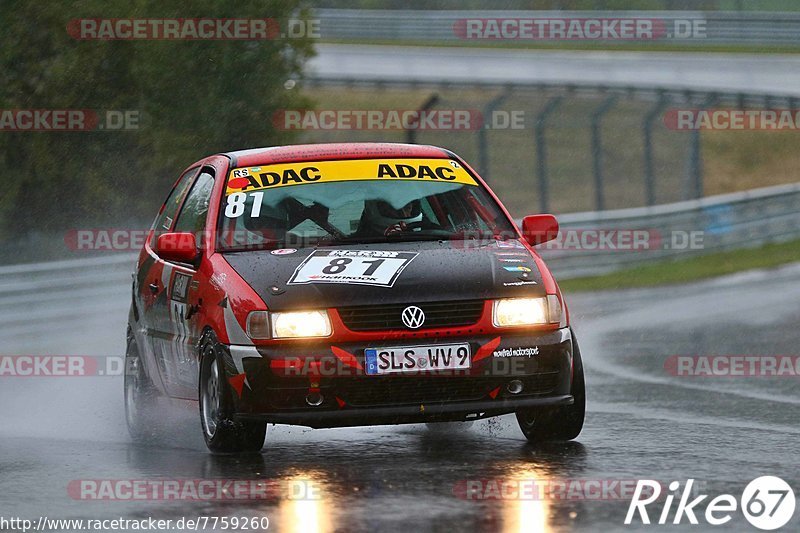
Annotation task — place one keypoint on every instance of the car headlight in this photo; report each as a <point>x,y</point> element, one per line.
<point>299,324</point>
<point>527,311</point>
<point>288,325</point>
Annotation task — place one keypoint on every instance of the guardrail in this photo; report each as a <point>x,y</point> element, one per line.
<point>430,26</point>
<point>62,280</point>
<point>597,122</point>
<point>716,223</point>
<point>40,300</point>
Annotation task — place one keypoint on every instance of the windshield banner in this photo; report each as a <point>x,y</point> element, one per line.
<point>282,175</point>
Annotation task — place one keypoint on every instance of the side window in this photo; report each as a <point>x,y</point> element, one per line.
<point>166,217</point>
<point>193,214</point>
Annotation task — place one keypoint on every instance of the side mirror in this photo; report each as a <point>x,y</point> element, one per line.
<point>177,247</point>
<point>539,228</point>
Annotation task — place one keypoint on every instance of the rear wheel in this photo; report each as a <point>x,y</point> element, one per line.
<point>221,431</point>
<point>560,423</point>
<point>141,395</point>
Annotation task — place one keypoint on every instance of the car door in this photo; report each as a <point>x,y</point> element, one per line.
<point>153,276</point>
<point>180,338</point>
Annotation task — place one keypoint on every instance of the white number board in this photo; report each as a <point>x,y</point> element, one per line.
<point>356,267</point>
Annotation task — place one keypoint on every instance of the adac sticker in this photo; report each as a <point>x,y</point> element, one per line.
<point>289,174</point>
<point>284,251</point>
<point>355,267</point>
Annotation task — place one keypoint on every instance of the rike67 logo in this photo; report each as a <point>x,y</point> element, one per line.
<point>767,502</point>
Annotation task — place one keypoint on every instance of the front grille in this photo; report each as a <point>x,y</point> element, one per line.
<point>437,315</point>
<point>399,390</point>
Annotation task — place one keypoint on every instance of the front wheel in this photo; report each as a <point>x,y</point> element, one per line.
<point>560,423</point>
<point>221,431</point>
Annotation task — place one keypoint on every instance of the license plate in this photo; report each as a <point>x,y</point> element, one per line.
<point>397,359</point>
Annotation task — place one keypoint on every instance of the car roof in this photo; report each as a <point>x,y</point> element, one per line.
<point>333,151</point>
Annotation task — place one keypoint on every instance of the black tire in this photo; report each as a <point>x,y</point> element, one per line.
<point>141,396</point>
<point>221,431</point>
<point>562,423</point>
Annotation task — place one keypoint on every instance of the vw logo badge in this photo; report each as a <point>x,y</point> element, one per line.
<point>413,317</point>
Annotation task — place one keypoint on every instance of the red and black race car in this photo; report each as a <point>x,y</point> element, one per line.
<point>347,284</point>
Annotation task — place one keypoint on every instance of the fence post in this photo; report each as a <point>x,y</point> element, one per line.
<point>541,150</point>
<point>597,150</point>
<point>647,134</point>
<point>411,133</point>
<point>483,142</point>
<point>695,187</point>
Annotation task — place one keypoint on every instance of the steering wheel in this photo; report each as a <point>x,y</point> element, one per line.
<point>403,227</point>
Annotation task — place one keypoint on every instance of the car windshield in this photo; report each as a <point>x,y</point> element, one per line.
<point>355,201</point>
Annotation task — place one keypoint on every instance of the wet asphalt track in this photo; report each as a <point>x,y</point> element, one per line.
<point>642,423</point>
<point>767,73</point>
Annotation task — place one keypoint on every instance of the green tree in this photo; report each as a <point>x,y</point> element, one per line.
<point>193,98</point>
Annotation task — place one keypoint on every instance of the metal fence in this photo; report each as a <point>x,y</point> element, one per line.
<point>623,144</point>
<point>432,26</point>
<point>576,148</point>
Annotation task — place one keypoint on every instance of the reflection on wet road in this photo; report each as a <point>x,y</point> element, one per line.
<point>642,422</point>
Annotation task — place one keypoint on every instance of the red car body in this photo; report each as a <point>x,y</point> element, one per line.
<point>185,301</point>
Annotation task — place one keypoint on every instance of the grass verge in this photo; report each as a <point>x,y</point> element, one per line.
<point>692,269</point>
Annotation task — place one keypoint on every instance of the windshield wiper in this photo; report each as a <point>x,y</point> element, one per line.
<point>398,237</point>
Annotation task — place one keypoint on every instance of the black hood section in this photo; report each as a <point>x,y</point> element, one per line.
<point>441,271</point>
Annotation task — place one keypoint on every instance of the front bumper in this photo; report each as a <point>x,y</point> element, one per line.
<point>274,384</point>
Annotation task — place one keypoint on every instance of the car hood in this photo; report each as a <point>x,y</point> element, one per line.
<point>419,272</point>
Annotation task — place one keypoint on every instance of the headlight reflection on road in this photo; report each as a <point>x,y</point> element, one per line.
<point>303,507</point>
<point>530,511</point>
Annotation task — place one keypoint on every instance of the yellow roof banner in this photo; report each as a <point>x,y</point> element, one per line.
<point>290,174</point>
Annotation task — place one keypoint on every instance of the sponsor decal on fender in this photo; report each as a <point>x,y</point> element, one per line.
<point>516,352</point>
<point>517,268</point>
<point>511,243</point>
